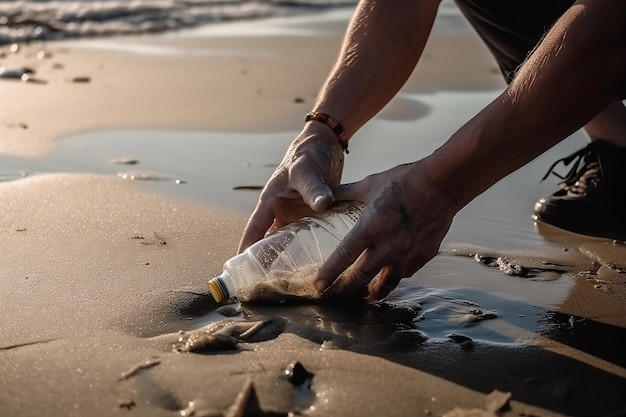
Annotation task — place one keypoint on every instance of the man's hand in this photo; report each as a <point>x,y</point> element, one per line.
<point>401,228</point>
<point>300,185</point>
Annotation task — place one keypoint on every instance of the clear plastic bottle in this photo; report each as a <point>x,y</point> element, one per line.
<point>285,262</point>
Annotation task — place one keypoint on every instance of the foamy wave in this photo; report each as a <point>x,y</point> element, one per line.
<point>22,21</point>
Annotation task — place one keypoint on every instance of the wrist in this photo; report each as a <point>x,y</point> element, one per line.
<point>442,195</point>
<point>315,134</point>
<point>332,124</point>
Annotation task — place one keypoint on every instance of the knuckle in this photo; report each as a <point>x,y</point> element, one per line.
<point>360,277</point>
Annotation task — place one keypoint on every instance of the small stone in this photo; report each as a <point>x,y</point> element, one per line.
<point>459,338</point>
<point>126,403</point>
<point>296,374</point>
<point>509,267</point>
<point>231,310</point>
<point>124,161</point>
<point>248,187</point>
<point>328,345</point>
<point>15,73</point>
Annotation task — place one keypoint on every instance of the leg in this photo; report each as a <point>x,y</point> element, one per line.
<point>592,197</point>
<point>609,125</point>
<point>512,30</point>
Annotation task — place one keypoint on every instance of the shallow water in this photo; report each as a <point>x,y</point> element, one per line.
<point>227,169</point>
<point>23,21</point>
<point>456,318</point>
<point>213,168</point>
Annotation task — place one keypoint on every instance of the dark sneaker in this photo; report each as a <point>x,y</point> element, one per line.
<point>591,199</point>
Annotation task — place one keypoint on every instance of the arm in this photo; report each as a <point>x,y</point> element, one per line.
<point>576,72</point>
<point>382,45</point>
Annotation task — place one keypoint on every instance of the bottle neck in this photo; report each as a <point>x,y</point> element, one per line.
<point>222,287</point>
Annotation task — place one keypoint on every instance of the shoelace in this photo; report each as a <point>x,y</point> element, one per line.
<point>585,174</point>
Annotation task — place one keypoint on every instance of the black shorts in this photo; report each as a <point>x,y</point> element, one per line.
<point>512,29</point>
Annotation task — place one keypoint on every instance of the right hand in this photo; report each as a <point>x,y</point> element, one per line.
<point>300,185</point>
<point>406,217</point>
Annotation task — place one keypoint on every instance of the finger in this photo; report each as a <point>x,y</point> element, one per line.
<point>360,275</point>
<point>275,226</point>
<point>385,282</point>
<point>258,224</point>
<point>315,192</point>
<point>389,280</point>
<point>341,258</point>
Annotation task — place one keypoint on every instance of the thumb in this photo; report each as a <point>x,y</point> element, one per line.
<point>316,193</point>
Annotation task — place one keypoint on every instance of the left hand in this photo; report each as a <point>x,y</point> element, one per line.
<point>301,184</point>
<point>405,219</point>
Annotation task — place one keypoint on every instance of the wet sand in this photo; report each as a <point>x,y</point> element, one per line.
<point>103,282</point>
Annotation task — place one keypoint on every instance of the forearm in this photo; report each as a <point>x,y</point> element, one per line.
<point>576,71</point>
<point>382,46</point>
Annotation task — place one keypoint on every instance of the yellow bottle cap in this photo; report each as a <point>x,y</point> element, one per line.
<point>218,289</point>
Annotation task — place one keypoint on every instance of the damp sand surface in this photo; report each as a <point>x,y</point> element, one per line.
<point>113,221</point>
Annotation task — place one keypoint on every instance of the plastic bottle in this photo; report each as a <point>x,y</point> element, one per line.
<point>285,262</point>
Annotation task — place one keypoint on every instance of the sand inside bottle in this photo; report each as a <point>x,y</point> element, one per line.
<point>280,285</point>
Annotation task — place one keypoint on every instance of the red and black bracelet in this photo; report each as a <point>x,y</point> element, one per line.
<point>336,127</point>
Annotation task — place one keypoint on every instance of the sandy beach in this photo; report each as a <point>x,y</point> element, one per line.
<point>103,278</point>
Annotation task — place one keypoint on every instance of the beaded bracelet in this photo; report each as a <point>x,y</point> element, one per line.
<point>336,127</point>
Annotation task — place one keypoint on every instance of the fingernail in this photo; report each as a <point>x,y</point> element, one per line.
<point>317,199</point>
